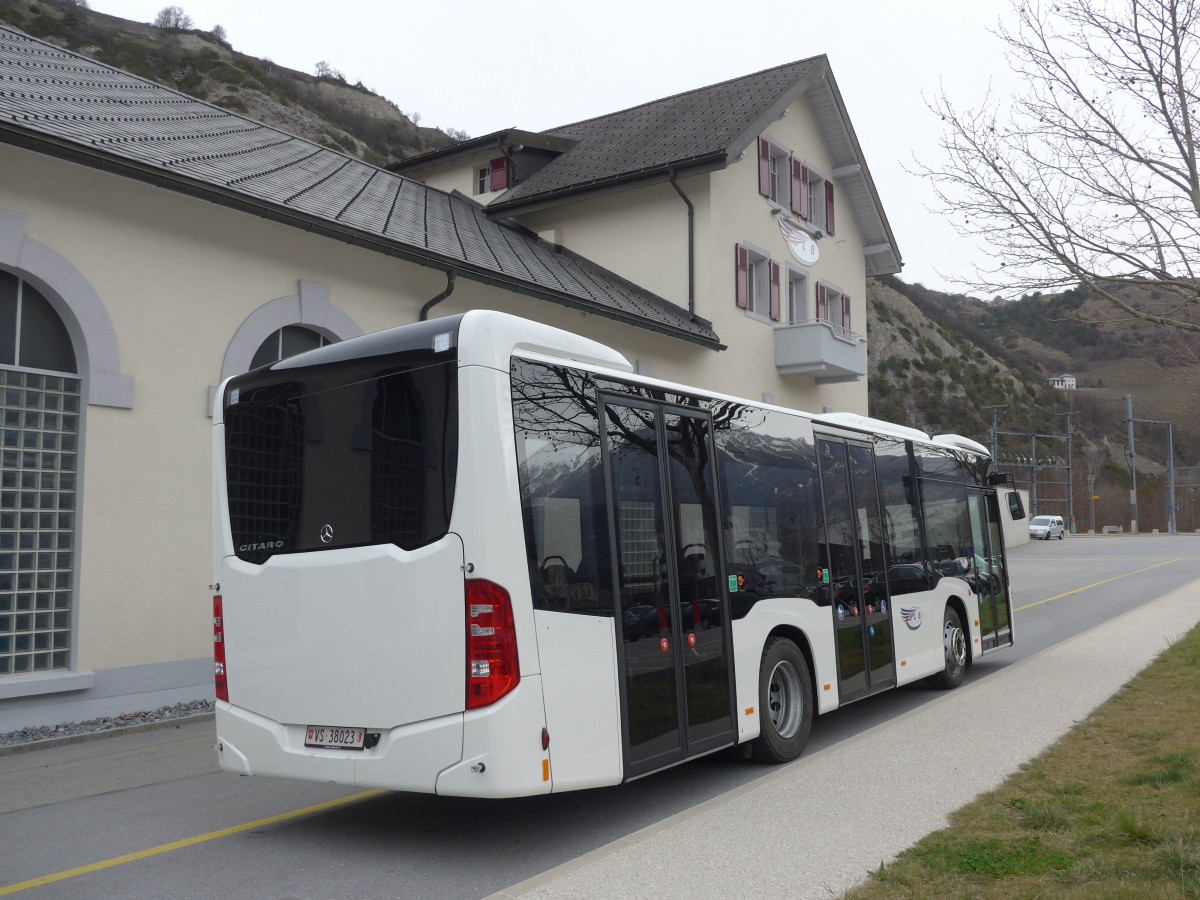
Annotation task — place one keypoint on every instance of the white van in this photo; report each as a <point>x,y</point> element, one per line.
<point>1046,527</point>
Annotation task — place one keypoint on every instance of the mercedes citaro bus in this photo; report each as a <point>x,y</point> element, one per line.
<point>480,556</point>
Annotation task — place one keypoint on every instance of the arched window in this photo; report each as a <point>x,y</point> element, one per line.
<point>40,401</point>
<point>287,341</point>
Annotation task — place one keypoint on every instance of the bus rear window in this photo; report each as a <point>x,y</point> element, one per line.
<point>347,454</point>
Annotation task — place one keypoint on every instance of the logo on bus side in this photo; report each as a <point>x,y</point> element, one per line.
<point>326,534</point>
<point>911,616</point>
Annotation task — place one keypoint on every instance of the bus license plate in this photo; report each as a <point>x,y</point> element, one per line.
<point>331,738</point>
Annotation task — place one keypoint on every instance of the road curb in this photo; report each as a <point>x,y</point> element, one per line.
<point>117,731</point>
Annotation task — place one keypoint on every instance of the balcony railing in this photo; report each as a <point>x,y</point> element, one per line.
<point>822,350</point>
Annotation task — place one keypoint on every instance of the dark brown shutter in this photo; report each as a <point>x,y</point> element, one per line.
<point>820,303</point>
<point>846,312</point>
<point>804,211</point>
<point>498,174</point>
<point>797,186</point>
<point>829,207</point>
<point>774,291</point>
<point>764,167</point>
<point>743,276</point>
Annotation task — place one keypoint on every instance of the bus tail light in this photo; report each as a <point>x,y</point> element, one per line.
<point>222,686</point>
<point>492,668</point>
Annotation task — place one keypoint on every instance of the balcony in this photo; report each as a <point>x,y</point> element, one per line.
<point>821,350</point>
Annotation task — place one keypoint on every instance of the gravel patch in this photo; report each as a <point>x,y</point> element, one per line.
<point>53,733</point>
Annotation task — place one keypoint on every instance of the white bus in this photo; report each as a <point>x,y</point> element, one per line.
<point>479,556</point>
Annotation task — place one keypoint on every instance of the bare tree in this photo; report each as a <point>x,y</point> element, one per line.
<point>325,70</point>
<point>173,17</point>
<point>1090,176</point>
<point>220,34</point>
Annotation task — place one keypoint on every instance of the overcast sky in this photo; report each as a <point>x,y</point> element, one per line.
<point>535,64</point>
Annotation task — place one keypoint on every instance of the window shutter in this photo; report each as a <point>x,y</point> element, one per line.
<point>820,303</point>
<point>764,167</point>
<point>774,291</point>
<point>846,312</point>
<point>743,276</point>
<point>803,210</point>
<point>797,184</point>
<point>498,174</point>
<point>829,207</point>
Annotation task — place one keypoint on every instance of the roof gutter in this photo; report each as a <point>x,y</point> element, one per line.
<point>691,242</point>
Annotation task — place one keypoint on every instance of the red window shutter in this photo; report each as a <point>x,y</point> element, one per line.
<point>498,174</point>
<point>797,186</point>
<point>845,312</point>
<point>743,276</point>
<point>804,211</point>
<point>820,303</point>
<point>764,167</point>
<point>829,207</point>
<point>774,291</point>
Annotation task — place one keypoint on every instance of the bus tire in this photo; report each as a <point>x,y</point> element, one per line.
<point>785,703</point>
<point>954,642</point>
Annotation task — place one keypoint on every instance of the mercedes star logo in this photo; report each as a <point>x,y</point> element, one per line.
<point>326,534</point>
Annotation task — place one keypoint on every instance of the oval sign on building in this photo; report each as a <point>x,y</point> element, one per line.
<point>803,247</point>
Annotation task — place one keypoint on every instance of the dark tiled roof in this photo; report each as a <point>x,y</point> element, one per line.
<point>706,124</point>
<point>63,104</point>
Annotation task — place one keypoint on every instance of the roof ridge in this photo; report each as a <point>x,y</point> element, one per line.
<point>677,96</point>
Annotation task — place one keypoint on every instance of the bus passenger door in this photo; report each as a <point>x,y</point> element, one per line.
<point>672,626</point>
<point>989,572</point>
<point>857,577</point>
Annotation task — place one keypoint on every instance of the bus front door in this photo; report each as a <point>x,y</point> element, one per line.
<point>672,623</point>
<point>988,571</point>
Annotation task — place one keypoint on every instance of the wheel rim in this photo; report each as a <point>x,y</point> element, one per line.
<point>785,699</point>
<point>956,647</point>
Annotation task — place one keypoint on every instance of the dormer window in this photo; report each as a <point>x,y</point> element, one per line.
<point>492,177</point>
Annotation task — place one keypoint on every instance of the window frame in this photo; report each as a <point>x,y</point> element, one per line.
<point>796,313</point>
<point>843,322</point>
<point>757,283</point>
<point>819,196</point>
<point>776,171</point>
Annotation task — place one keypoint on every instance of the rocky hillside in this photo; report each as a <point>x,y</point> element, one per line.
<point>938,361</point>
<point>325,109</point>
<point>936,377</point>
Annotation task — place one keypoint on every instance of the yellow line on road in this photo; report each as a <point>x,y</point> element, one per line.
<point>186,842</point>
<point>1088,587</point>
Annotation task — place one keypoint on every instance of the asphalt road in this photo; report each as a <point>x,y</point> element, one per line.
<point>147,815</point>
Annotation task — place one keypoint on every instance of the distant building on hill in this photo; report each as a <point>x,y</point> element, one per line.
<point>1062,382</point>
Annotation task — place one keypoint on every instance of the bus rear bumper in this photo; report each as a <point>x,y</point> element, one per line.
<point>406,758</point>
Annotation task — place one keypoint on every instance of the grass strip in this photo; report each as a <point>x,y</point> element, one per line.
<point>1111,810</point>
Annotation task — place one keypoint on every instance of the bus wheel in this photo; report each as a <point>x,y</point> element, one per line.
<point>955,643</point>
<point>785,703</point>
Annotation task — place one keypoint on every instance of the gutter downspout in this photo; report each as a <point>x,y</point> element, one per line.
<point>691,245</point>
<point>451,277</point>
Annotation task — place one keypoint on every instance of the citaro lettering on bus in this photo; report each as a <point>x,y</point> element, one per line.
<point>262,545</point>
